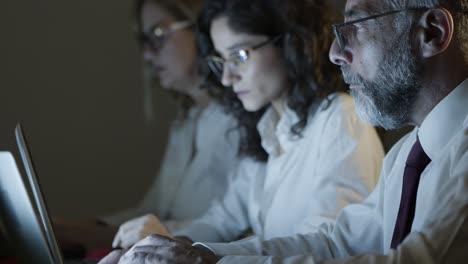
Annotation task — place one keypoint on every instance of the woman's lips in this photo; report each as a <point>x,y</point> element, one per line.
<point>160,72</point>
<point>158,69</point>
<point>155,67</point>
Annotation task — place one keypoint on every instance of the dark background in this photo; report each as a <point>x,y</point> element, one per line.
<point>70,71</point>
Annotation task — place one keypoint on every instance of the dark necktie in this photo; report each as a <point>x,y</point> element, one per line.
<point>415,164</point>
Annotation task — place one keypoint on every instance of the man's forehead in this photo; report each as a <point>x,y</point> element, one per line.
<point>360,8</point>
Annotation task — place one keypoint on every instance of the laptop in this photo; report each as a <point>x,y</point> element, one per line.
<point>24,211</point>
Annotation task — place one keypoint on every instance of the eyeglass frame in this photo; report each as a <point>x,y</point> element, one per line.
<point>340,36</point>
<point>159,33</point>
<point>247,52</point>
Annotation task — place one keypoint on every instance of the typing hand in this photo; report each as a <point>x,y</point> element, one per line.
<point>136,229</point>
<point>113,257</point>
<point>159,249</point>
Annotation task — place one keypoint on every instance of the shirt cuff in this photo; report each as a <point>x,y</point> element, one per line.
<point>247,246</point>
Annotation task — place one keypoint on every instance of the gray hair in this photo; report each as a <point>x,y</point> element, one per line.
<point>459,11</point>
<point>458,5</point>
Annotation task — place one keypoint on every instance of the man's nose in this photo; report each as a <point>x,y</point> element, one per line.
<point>340,56</point>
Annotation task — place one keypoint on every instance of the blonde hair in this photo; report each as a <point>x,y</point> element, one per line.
<point>181,10</point>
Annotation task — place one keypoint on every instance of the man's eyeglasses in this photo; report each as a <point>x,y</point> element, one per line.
<point>346,31</point>
<point>235,59</point>
<point>156,36</point>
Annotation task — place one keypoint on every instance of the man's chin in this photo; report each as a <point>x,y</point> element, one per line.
<point>362,102</point>
<point>367,111</point>
<point>375,118</point>
<point>355,87</point>
<point>364,114</point>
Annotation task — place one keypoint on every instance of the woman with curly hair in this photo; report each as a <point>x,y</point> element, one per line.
<point>271,56</point>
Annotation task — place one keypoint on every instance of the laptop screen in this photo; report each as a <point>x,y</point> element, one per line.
<point>22,223</point>
<point>23,210</point>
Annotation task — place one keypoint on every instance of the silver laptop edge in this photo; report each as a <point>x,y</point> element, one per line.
<point>36,190</point>
<point>21,220</point>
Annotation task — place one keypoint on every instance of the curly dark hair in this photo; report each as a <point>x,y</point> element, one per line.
<point>305,30</point>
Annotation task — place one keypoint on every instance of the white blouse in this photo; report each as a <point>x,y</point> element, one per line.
<point>201,150</point>
<point>306,180</point>
<point>363,232</point>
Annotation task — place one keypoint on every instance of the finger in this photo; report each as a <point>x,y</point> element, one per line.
<point>117,240</point>
<point>130,233</point>
<point>155,226</point>
<point>112,258</point>
<point>129,239</point>
<point>148,230</point>
<point>152,218</point>
<point>131,224</point>
<point>142,226</point>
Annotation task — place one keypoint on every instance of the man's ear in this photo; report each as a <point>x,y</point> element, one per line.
<point>435,32</point>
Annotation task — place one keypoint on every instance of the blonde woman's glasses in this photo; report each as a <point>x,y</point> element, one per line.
<point>157,35</point>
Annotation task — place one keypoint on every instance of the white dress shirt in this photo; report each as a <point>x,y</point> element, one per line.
<point>363,232</point>
<point>305,182</point>
<point>201,150</point>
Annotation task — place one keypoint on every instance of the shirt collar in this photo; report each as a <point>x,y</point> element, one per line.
<point>444,121</point>
<point>275,132</point>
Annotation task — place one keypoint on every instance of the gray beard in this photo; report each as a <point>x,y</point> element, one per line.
<point>387,101</point>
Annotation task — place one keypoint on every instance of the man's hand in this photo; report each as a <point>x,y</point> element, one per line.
<point>159,249</point>
<point>136,229</point>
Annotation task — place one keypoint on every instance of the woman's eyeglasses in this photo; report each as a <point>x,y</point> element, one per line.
<point>156,36</point>
<point>235,59</point>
